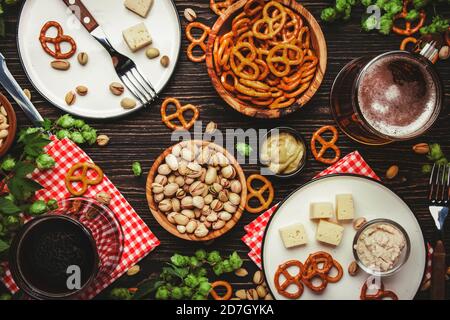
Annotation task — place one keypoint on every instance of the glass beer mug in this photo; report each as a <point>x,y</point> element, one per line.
<point>394,96</point>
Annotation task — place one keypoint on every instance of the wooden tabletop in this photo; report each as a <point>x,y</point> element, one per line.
<point>142,136</point>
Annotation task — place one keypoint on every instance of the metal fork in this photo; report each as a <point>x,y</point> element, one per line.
<point>126,69</point>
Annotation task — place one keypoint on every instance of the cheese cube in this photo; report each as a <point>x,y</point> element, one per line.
<point>140,7</point>
<point>293,235</point>
<point>344,207</point>
<point>329,232</point>
<point>321,210</point>
<point>137,37</point>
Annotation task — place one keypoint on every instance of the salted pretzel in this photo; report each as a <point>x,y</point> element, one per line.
<point>259,193</point>
<point>331,144</point>
<point>379,295</point>
<point>285,59</point>
<point>290,280</point>
<point>82,178</point>
<point>246,67</point>
<point>220,7</point>
<point>409,28</point>
<point>56,41</point>
<point>224,284</point>
<point>178,114</point>
<point>271,23</point>
<point>197,42</point>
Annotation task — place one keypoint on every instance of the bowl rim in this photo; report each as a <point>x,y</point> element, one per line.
<point>161,217</point>
<point>405,255</point>
<point>303,99</point>
<point>12,121</point>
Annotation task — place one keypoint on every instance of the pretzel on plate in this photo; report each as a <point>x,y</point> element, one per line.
<point>380,294</point>
<point>289,279</point>
<point>82,178</point>
<point>56,41</point>
<point>331,144</point>
<point>178,114</point>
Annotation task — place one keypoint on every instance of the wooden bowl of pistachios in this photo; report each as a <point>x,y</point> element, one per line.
<point>196,190</point>
<point>8,125</point>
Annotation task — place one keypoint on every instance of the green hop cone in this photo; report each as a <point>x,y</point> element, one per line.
<point>78,123</point>
<point>177,293</point>
<point>38,207</point>
<point>77,137</point>
<point>12,223</point>
<point>52,204</point>
<point>120,294</point>
<point>8,164</point>
<point>191,281</point>
<point>137,169</point>
<point>90,136</point>
<point>187,292</point>
<point>200,254</point>
<point>62,134</point>
<point>235,261</point>
<point>45,162</point>
<point>204,288</point>
<point>162,293</point>
<point>66,121</point>
<point>214,257</point>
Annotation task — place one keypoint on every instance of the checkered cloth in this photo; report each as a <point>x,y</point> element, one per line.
<point>138,239</point>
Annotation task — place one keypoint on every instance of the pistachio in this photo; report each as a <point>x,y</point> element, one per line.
<point>82,90</point>
<point>189,181</point>
<point>181,219</point>
<point>133,270</point>
<point>225,216</point>
<point>208,198</point>
<point>222,160</point>
<point>359,222</point>
<point>83,58</point>
<point>27,93</point>
<point>158,197</point>
<point>206,210</point>
<point>152,53</point>
<point>188,213</point>
<point>165,205</point>
<point>217,205</point>
<point>224,183</point>
<point>241,272</point>
<point>61,65</point>
<point>180,194</point>
<point>211,127</point>
<point>223,195</point>
<point>104,198</point>
<point>234,198</point>
<point>191,226</point>
<point>195,170</point>
<point>228,172</point>
<point>171,178</point>
<point>189,14</point>
<point>392,172</point>
<point>236,186</point>
<point>128,103</point>
<point>241,294</point>
<point>187,203</point>
<point>421,148</point>
<point>161,179</point>
<point>204,155</point>
<point>353,268</point>
<point>268,297</point>
<point>165,61</point>
<point>70,98</point>
<point>187,154</point>
<point>176,204</point>
<point>170,217</point>
<point>172,162</point>
<point>4,133</point>
<point>215,189</point>
<point>179,180</point>
<point>229,207</point>
<point>198,202</point>
<point>201,231</point>
<point>102,140</point>
<point>181,229</point>
<point>211,175</point>
<point>3,111</point>
<point>116,88</point>
<point>197,188</point>
<point>258,277</point>
<point>164,169</point>
<point>262,292</point>
<point>252,294</point>
<point>444,53</point>
<point>212,217</point>
<point>219,224</point>
<point>171,189</point>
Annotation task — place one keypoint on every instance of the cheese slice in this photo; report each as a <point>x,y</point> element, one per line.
<point>140,7</point>
<point>137,37</point>
<point>293,235</point>
<point>344,207</point>
<point>329,232</point>
<point>321,210</point>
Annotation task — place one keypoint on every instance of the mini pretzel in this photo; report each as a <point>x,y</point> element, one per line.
<point>247,68</point>
<point>220,7</point>
<point>295,280</point>
<point>83,178</point>
<point>56,41</point>
<point>270,24</point>
<point>259,194</point>
<point>197,42</point>
<point>286,60</point>
<point>379,295</point>
<point>179,114</point>
<point>407,41</point>
<point>317,136</point>
<point>227,286</point>
<point>409,29</point>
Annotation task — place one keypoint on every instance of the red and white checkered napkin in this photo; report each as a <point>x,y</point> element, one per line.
<point>351,163</point>
<point>138,239</point>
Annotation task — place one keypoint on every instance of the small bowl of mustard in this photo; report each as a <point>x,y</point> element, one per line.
<point>283,152</point>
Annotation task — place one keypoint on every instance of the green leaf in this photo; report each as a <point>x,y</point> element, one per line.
<point>8,207</point>
<point>146,288</point>
<point>47,124</point>
<point>24,168</point>
<point>3,246</point>
<point>23,188</point>
<point>35,143</point>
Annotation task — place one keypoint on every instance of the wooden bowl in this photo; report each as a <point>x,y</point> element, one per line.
<point>222,26</point>
<point>12,121</point>
<point>161,217</point>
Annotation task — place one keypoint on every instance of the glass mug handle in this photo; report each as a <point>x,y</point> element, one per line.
<point>428,51</point>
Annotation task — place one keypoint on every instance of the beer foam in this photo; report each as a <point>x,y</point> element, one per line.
<point>395,102</point>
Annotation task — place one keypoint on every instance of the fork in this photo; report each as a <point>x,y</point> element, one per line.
<point>438,198</point>
<point>125,68</point>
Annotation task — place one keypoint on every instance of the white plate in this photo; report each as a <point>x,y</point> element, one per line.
<point>162,22</point>
<point>372,200</point>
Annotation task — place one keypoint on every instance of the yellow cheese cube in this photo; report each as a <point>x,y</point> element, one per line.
<point>137,37</point>
<point>140,7</point>
<point>344,207</point>
<point>321,210</point>
<point>329,232</point>
<point>293,235</point>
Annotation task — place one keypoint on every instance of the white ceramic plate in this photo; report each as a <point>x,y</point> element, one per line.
<point>372,200</point>
<point>162,22</point>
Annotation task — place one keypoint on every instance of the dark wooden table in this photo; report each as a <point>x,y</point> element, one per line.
<point>142,136</point>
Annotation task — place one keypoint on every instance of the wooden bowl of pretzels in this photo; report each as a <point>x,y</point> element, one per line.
<point>266,59</point>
